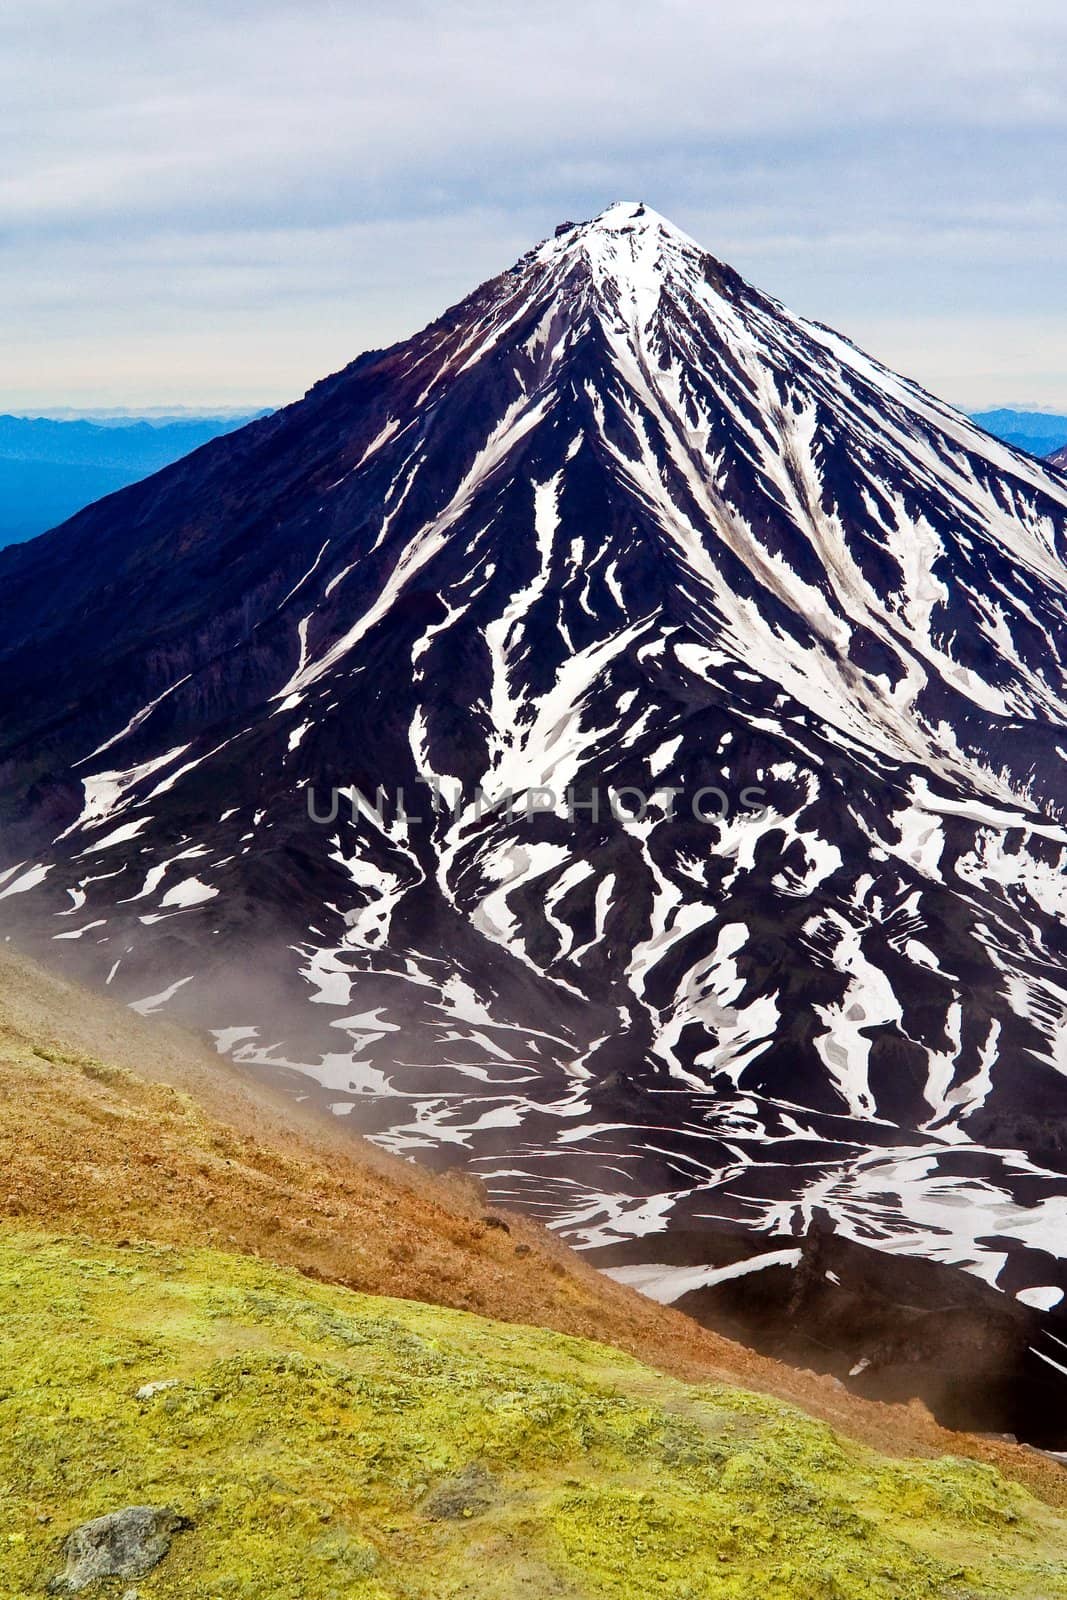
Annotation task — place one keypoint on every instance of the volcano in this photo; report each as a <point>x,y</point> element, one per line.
<point>615,740</point>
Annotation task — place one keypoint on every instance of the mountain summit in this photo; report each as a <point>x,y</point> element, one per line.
<point>616,522</point>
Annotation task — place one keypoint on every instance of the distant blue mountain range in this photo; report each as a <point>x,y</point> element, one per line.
<point>1040,432</point>
<point>49,469</point>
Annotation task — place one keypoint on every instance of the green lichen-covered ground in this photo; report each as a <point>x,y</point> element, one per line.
<point>327,1444</point>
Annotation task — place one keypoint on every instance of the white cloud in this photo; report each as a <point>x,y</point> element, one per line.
<point>181,176</point>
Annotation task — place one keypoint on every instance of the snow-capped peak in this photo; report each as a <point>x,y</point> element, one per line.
<point>630,217</point>
<point>628,243</point>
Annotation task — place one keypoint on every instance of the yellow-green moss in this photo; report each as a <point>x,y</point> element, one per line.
<point>312,1436</point>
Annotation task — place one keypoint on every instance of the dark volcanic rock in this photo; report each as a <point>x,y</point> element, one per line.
<point>890,1327</point>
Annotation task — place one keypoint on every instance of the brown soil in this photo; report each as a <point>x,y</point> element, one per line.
<point>120,1127</point>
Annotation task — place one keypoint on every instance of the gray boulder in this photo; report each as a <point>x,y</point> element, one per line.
<point>124,1544</point>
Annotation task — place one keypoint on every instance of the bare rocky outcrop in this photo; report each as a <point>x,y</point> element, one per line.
<point>123,1544</point>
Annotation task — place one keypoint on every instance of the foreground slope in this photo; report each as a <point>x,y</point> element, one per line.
<point>317,1442</point>
<point>131,1129</point>
<point>182,1152</point>
<point>617,520</point>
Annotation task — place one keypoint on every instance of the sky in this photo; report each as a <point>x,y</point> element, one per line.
<point>216,202</point>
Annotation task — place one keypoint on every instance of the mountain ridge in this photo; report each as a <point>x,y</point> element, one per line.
<point>50,468</point>
<point>1037,432</point>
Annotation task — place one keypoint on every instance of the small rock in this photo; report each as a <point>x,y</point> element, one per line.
<point>468,1494</point>
<point>490,1221</point>
<point>147,1390</point>
<point>123,1544</point>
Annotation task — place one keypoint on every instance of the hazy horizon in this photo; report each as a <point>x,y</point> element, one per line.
<point>250,409</point>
